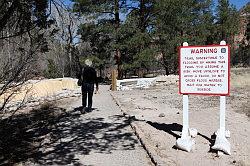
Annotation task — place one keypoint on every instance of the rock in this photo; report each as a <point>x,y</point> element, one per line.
<point>74,95</point>
<point>227,134</point>
<point>162,115</point>
<point>220,153</point>
<point>193,132</point>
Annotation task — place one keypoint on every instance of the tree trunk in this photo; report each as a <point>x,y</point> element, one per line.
<point>118,52</point>
<point>142,16</point>
<point>166,70</point>
<point>165,63</point>
<point>125,73</point>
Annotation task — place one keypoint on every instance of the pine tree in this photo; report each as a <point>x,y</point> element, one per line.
<point>227,21</point>
<point>106,11</point>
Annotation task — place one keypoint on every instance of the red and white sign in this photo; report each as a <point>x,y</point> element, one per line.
<point>204,70</point>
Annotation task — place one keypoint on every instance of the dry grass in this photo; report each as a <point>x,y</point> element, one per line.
<point>240,77</point>
<point>240,90</point>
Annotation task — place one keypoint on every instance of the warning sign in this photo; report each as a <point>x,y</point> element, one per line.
<point>204,70</point>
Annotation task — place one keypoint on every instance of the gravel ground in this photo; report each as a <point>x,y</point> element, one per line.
<point>158,118</point>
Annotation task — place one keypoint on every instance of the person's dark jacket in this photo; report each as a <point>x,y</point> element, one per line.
<point>89,76</point>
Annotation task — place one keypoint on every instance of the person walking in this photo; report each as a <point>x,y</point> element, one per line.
<point>89,78</point>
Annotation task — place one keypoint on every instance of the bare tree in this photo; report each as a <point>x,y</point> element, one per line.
<point>67,25</point>
<point>22,40</point>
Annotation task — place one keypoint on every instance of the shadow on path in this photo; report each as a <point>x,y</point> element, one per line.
<point>169,128</point>
<point>211,141</point>
<point>54,136</point>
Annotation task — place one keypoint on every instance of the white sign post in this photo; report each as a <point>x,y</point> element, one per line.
<point>221,143</point>
<point>185,142</point>
<point>204,70</point>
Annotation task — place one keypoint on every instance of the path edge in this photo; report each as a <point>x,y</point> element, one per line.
<point>156,159</point>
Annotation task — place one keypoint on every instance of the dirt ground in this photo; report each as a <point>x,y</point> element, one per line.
<point>158,113</point>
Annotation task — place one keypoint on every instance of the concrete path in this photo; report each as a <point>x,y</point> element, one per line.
<point>106,136</point>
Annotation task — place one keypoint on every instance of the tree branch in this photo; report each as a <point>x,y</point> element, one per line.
<point>7,15</point>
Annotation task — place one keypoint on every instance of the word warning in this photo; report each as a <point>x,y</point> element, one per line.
<point>204,70</point>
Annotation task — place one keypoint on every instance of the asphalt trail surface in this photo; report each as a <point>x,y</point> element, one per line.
<point>107,138</point>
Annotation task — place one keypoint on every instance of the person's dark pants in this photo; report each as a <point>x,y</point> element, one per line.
<point>87,91</point>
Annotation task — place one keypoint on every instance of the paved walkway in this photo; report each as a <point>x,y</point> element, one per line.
<point>106,136</point>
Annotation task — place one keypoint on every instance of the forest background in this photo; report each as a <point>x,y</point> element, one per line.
<point>52,38</point>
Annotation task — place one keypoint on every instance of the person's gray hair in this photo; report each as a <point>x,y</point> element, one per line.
<point>88,62</point>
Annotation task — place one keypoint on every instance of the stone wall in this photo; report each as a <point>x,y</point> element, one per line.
<point>35,91</point>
